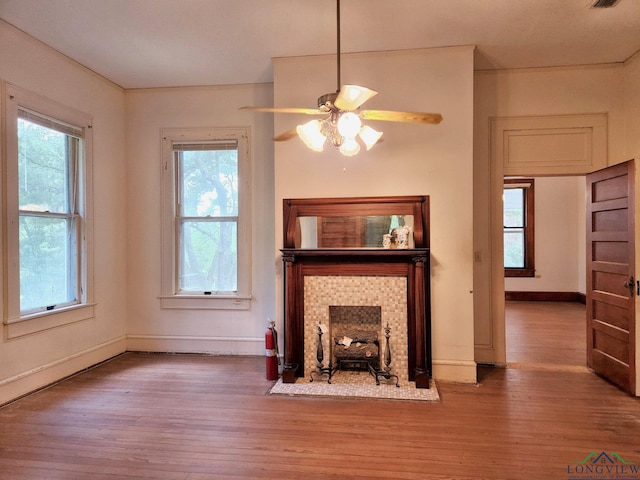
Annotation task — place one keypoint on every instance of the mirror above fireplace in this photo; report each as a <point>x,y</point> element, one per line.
<point>360,222</point>
<point>361,231</point>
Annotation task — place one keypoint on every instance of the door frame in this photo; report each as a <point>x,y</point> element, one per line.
<point>497,284</point>
<point>592,127</point>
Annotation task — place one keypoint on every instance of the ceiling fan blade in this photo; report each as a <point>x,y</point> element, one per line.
<point>288,135</point>
<point>306,111</point>
<point>391,116</point>
<point>352,96</point>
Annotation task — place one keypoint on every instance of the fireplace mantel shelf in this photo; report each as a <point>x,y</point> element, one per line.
<point>401,253</point>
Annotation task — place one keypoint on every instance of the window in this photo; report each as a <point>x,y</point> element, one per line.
<point>205,218</point>
<point>48,213</point>
<point>519,227</point>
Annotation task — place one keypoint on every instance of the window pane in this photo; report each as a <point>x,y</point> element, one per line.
<point>42,168</point>
<point>513,248</point>
<point>514,207</point>
<point>208,256</point>
<point>209,183</point>
<point>47,262</point>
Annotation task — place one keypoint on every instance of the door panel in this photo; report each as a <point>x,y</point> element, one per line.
<point>609,188</point>
<point>610,266</point>
<point>610,220</point>
<point>611,314</point>
<point>610,252</point>
<point>610,282</point>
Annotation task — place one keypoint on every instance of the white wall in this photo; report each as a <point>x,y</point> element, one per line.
<point>559,237</point>
<point>151,328</point>
<point>35,360</point>
<point>412,160</point>
<point>631,91</point>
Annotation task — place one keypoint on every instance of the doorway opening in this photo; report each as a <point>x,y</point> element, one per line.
<point>540,330</point>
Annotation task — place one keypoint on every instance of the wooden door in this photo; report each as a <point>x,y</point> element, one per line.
<point>611,282</point>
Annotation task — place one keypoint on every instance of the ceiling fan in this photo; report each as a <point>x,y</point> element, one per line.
<point>342,122</point>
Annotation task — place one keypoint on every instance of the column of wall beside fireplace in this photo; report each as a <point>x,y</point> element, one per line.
<point>388,292</point>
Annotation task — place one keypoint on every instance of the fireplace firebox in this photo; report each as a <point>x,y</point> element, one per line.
<point>359,230</point>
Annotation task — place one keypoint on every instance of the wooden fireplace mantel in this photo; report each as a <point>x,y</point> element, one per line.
<point>411,263</point>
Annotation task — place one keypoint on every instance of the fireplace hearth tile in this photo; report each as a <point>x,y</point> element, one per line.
<point>356,385</point>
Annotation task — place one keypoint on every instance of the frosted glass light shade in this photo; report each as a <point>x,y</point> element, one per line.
<point>349,125</point>
<point>369,136</point>
<point>310,133</point>
<point>352,96</point>
<point>349,147</point>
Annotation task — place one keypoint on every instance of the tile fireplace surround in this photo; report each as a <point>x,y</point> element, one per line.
<point>389,293</point>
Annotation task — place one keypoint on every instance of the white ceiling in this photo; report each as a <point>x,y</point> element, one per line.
<point>164,43</point>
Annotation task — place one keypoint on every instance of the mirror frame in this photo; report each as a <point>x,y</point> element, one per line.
<point>417,205</point>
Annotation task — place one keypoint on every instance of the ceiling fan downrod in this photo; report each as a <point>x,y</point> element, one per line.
<point>328,99</point>
<point>338,43</point>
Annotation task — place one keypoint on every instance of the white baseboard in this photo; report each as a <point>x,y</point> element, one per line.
<point>192,344</point>
<point>455,371</point>
<point>39,377</point>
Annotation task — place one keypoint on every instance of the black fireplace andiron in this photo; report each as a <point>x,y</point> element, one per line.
<point>386,372</point>
<point>322,370</point>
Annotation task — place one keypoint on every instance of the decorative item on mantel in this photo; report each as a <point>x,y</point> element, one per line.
<point>398,238</point>
<point>402,236</point>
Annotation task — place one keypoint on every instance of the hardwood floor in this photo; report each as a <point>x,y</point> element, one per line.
<point>546,333</point>
<point>192,417</point>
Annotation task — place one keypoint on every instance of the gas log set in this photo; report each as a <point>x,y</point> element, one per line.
<point>356,350</point>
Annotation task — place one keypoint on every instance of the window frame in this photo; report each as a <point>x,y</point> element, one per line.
<point>170,295</point>
<point>16,322</point>
<point>528,186</point>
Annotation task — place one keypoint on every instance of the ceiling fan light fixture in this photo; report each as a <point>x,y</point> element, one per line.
<point>369,136</point>
<point>311,134</point>
<point>342,123</point>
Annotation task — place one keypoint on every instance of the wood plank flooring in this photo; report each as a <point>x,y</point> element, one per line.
<point>192,417</point>
<point>546,333</point>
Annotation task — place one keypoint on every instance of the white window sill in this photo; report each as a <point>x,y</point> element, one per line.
<point>51,319</point>
<point>206,302</point>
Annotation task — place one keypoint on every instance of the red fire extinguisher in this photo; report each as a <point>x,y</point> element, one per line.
<point>271,351</point>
